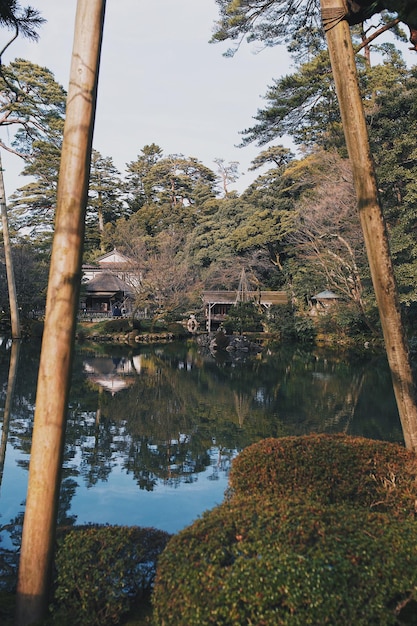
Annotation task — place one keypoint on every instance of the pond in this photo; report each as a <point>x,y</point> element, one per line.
<point>152,429</point>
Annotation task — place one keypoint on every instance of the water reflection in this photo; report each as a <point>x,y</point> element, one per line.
<point>152,430</point>
<point>11,381</point>
<point>111,374</point>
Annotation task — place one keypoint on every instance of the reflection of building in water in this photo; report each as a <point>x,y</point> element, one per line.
<point>111,374</point>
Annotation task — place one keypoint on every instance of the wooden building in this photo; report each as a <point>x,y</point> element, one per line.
<point>108,285</point>
<point>217,304</point>
<point>106,294</point>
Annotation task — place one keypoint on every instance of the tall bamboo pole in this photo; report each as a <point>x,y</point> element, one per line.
<point>11,285</point>
<point>61,310</point>
<point>372,221</point>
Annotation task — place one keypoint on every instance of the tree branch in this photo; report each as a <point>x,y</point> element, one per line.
<point>376,34</point>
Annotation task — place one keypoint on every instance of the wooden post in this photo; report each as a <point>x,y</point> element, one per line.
<point>372,221</point>
<point>11,285</point>
<point>60,320</point>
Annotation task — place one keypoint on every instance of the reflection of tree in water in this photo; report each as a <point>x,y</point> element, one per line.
<point>222,464</point>
<point>92,446</point>
<point>162,427</point>
<point>326,395</point>
<point>11,382</point>
<point>184,413</point>
<point>19,426</point>
<point>242,406</point>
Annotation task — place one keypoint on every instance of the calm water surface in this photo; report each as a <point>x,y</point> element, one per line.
<point>152,429</point>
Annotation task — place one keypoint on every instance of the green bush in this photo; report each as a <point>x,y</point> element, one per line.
<point>243,317</point>
<point>346,319</point>
<point>101,570</point>
<point>117,325</point>
<point>274,562</point>
<point>290,325</point>
<point>153,326</point>
<point>331,469</point>
<point>177,330</point>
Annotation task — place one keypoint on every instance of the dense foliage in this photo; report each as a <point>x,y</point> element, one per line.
<point>101,570</point>
<point>302,539</point>
<point>331,469</point>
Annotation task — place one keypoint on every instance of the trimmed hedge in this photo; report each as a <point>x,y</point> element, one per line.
<point>101,570</point>
<point>330,469</point>
<point>272,562</point>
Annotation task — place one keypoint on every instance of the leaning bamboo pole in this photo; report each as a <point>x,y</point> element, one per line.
<point>60,319</point>
<point>372,221</point>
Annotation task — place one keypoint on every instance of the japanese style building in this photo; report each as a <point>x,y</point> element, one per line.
<point>217,304</point>
<point>108,285</point>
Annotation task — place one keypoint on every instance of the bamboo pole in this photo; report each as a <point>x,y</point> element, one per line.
<point>372,221</point>
<point>61,310</point>
<point>11,284</point>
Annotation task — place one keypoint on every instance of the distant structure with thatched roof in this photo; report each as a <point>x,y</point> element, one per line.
<point>218,303</point>
<point>108,285</point>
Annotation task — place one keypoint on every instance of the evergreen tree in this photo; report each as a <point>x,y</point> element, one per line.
<point>105,204</point>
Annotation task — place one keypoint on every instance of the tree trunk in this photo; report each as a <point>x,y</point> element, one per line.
<point>60,320</point>
<point>11,285</point>
<point>373,225</point>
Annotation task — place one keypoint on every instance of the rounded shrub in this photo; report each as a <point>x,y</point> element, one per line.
<point>117,325</point>
<point>275,562</point>
<point>101,570</point>
<point>330,469</point>
<point>177,329</point>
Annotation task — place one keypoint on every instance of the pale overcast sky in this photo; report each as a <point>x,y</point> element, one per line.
<point>160,81</point>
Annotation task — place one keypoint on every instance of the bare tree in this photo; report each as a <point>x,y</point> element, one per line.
<point>228,173</point>
<point>328,234</point>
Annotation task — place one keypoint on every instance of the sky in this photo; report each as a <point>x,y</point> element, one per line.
<point>160,81</point>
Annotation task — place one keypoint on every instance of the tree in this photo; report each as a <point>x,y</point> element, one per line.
<point>229,173</point>
<point>302,105</point>
<point>172,180</point>
<point>166,192</point>
<point>271,198</point>
<point>209,242</point>
<point>327,236</point>
<point>11,283</point>
<point>26,21</point>
<point>33,103</point>
<point>137,190</point>
<point>62,302</point>
<point>31,276</point>
<point>168,284</point>
<point>104,199</point>
<point>373,225</point>
<point>392,125</point>
<point>275,22</point>
<point>281,21</point>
